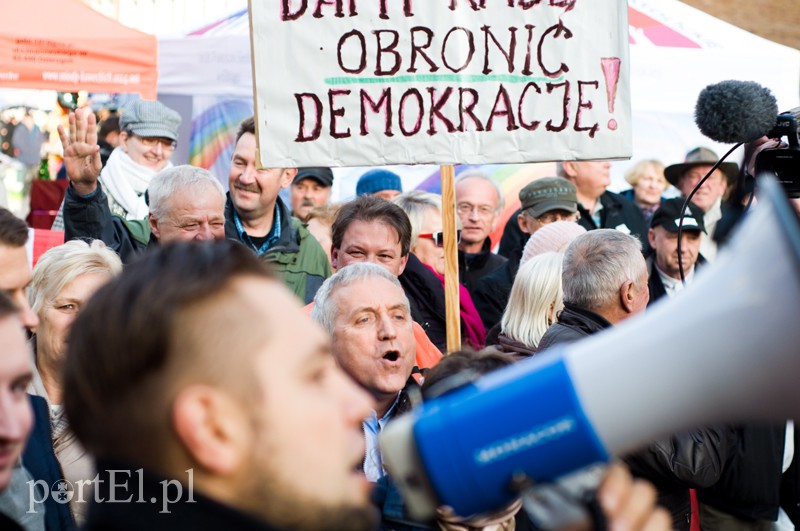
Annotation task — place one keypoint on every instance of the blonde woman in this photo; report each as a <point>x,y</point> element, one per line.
<point>649,184</point>
<point>64,279</point>
<point>534,303</point>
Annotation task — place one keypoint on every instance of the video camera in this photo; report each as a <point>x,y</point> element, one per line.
<point>783,162</point>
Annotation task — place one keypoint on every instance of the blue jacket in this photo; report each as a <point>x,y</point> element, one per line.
<point>40,460</point>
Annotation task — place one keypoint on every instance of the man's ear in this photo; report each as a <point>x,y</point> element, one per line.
<point>403,262</point>
<point>651,237</point>
<point>569,168</point>
<point>287,177</point>
<point>522,221</point>
<point>212,428</point>
<point>334,258</point>
<point>626,296</point>
<point>153,226</point>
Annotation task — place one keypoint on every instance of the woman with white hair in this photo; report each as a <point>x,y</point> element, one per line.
<point>534,303</point>
<point>64,279</point>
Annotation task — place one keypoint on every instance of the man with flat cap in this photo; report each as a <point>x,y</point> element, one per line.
<point>148,136</point>
<point>311,188</point>
<point>685,176</point>
<point>543,201</point>
<point>665,277</point>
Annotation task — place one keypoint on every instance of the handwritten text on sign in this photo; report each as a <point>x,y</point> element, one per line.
<point>372,82</point>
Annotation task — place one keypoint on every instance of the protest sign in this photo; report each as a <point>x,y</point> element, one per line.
<point>374,82</point>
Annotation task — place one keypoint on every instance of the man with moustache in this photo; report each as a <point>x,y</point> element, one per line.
<point>311,188</point>
<point>257,217</point>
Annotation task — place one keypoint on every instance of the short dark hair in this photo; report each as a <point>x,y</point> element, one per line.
<point>125,344</point>
<point>470,363</point>
<point>13,231</point>
<point>248,125</point>
<point>369,208</point>
<point>109,125</point>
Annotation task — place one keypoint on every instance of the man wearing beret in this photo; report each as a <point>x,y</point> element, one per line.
<point>311,188</point>
<point>665,277</point>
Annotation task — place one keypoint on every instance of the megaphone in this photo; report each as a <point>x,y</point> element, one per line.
<point>726,350</point>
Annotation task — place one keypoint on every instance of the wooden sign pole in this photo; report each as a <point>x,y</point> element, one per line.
<point>451,294</point>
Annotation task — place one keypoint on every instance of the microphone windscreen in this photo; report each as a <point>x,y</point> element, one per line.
<point>735,111</point>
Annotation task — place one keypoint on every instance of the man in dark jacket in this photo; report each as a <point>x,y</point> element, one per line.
<point>479,200</point>
<point>599,208</point>
<point>604,283</point>
<point>256,216</point>
<point>177,379</point>
<point>662,264</point>
<point>186,203</point>
<point>591,302</point>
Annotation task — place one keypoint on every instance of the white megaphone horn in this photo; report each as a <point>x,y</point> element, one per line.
<point>726,350</point>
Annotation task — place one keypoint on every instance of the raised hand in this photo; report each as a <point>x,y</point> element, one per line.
<point>81,152</point>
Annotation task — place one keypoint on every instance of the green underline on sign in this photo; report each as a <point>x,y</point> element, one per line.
<point>440,78</point>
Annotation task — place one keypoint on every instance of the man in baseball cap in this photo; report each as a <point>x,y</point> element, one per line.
<point>311,188</point>
<point>665,278</point>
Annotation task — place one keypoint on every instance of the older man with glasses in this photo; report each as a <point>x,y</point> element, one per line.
<point>479,201</point>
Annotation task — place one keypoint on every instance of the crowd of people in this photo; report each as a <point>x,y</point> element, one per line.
<point>193,358</point>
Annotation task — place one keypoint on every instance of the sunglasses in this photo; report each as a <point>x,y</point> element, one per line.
<point>438,237</point>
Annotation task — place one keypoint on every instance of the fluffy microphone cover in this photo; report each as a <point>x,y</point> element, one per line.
<point>735,111</point>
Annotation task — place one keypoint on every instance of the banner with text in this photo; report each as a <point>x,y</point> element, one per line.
<point>376,82</point>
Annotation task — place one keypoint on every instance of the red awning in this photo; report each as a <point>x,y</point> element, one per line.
<point>67,46</point>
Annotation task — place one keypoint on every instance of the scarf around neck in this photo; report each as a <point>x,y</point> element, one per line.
<point>125,182</point>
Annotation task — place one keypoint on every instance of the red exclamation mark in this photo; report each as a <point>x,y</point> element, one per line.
<point>610,67</point>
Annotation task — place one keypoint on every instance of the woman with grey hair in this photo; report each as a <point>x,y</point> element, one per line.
<point>64,279</point>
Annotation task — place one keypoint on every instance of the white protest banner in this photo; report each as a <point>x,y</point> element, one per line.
<point>376,82</point>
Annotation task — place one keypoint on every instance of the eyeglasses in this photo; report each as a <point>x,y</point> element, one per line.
<point>151,141</point>
<point>438,237</point>
<point>483,210</point>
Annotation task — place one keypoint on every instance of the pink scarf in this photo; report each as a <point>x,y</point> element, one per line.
<point>470,319</point>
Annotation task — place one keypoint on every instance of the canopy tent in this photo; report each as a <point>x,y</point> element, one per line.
<point>675,52</point>
<point>67,46</point>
